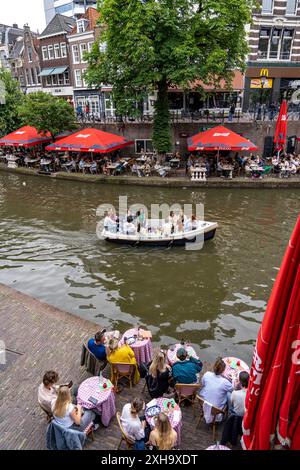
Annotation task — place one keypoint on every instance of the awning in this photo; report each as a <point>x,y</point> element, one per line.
<point>25,137</point>
<point>219,138</point>
<point>58,70</point>
<point>90,140</point>
<point>46,72</point>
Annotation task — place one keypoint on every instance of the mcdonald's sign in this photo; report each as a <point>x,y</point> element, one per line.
<point>264,72</point>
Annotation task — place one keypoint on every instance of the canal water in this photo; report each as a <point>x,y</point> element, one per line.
<point>215,297</point>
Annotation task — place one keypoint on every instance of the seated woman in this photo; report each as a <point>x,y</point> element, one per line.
<point>159,375</point>
<point>216,387</point>
<point>163,436</point>
<point>135,427</point>
<point>122,354</point>
<point>68,415</point>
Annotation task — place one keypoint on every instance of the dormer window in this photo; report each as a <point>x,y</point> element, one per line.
<point>82,25</point>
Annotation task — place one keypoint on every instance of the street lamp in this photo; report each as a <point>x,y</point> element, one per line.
<point>263,82</point>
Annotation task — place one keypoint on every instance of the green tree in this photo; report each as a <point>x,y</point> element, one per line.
<point>150,45</point>
<point>47,113</point>
<point>11,97</point>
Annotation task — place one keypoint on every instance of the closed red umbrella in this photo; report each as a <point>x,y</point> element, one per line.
<point>219,138</point>
<point>272,401</point>
<point>281,128</point>
<point>90,140</point>
<point>26,136</point>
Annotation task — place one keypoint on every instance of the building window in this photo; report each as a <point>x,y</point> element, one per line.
<point>45,53</point>
<point>32,76</point>
<point>57,51</point>
<point>38,78</point>
<point>267,6</point>
<point>48,80</point>
<point>78,78</point>
<point>63,49</point>
<point>81,25</point>
<point>109,105</point>
<point>83,50</point>
<point>60,79</point>
<point>54,80</point>
<point>83,78</point>
<point>67,8</point>
<point>94,104</point>
<point>291,7</point>
<point>143,146</point>
<point>50,52</point>
<point>66,78</point>
<point>29,50</point>
<point>90,46</point>
<point>76,57</point>
<point>28,77</point>
<point>275,44</point>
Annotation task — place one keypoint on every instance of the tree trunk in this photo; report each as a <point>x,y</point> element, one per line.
<point>161,125</point>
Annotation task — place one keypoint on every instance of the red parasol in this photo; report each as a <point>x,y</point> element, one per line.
<point>90,140</point>
<point>272,401</point>
<point>281,128</point>
<point>25,137</point>
<point>219,138</point>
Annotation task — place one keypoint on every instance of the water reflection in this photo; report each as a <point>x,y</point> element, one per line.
<point>215,297</point>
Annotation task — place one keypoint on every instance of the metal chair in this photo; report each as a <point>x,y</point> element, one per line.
<point>215,411</point>
<point>128,441</point>
<point>120,370</point>
<point>187,392</point>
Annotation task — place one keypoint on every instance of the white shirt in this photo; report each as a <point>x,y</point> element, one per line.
<point>132,425</point>
<point>215,389</point>
<point>66,420</point>
<point>238,401</point>
<point>46,396</point>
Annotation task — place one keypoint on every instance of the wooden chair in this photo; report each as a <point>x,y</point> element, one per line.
<point>128,441</point>
<point>49,416</point>
<point>89,431</point>
<point>187,392</point>
<point>120,370</point>
<point>215,411</point>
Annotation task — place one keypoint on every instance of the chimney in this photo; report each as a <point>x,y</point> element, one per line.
<point>15,25</point>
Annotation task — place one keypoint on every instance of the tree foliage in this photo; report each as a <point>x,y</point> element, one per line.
<point>152,44</point>
<point>12,97</point>
<point>47,113</point>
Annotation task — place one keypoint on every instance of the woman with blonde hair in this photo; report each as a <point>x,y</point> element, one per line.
<point>159,375</point>
<point>163,436</point>
<point>122,354</point>
<point>68,415</point>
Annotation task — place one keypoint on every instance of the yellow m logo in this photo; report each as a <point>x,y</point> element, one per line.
<point>264,73</point>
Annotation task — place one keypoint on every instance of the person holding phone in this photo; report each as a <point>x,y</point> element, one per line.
<point>69,415</point>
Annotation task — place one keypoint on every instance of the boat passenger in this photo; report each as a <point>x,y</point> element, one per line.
<point>167,228</point>
<point>129,227</point>
<point>185,370</point>
<point>122,354</point>
<point>216,387</point>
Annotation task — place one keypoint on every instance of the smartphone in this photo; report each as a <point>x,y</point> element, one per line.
<point>93,400</point>
<point>70,384</point>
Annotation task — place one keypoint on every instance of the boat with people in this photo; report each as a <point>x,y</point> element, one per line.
<point>157,232</point>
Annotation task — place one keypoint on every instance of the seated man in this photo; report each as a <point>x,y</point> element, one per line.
<point>96,346</point>
<point>47,390</point>
<point>186,369</point>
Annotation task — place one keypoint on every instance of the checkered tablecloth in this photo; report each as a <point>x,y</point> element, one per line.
<point>233,368</point>
<point>106,398</point>
<point>142,349</point>
<point>172,353</point>
<point>217,447</point>
<point>174,418</point>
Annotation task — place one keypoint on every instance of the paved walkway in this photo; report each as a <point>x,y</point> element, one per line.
<point>39,337</point>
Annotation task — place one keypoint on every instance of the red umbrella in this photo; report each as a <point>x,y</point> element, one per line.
<point>25,137</point>
<point>219,138</point>
<point>272,401</point>
<point>281,128</point>
<point>90,140</point>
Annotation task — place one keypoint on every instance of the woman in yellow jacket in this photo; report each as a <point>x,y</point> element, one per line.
<point>122,354</point>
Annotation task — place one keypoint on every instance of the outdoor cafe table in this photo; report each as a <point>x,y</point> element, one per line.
<point>172,352</point>
<point>174,414</point>
<point>142,349</point>
<point>217,447</point>
<point>228,169</point>
<point>234,366</point>
<point>105,398</point>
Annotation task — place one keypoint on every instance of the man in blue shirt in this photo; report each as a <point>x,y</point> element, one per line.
<point>185,370</point>
<point>96,346</point>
